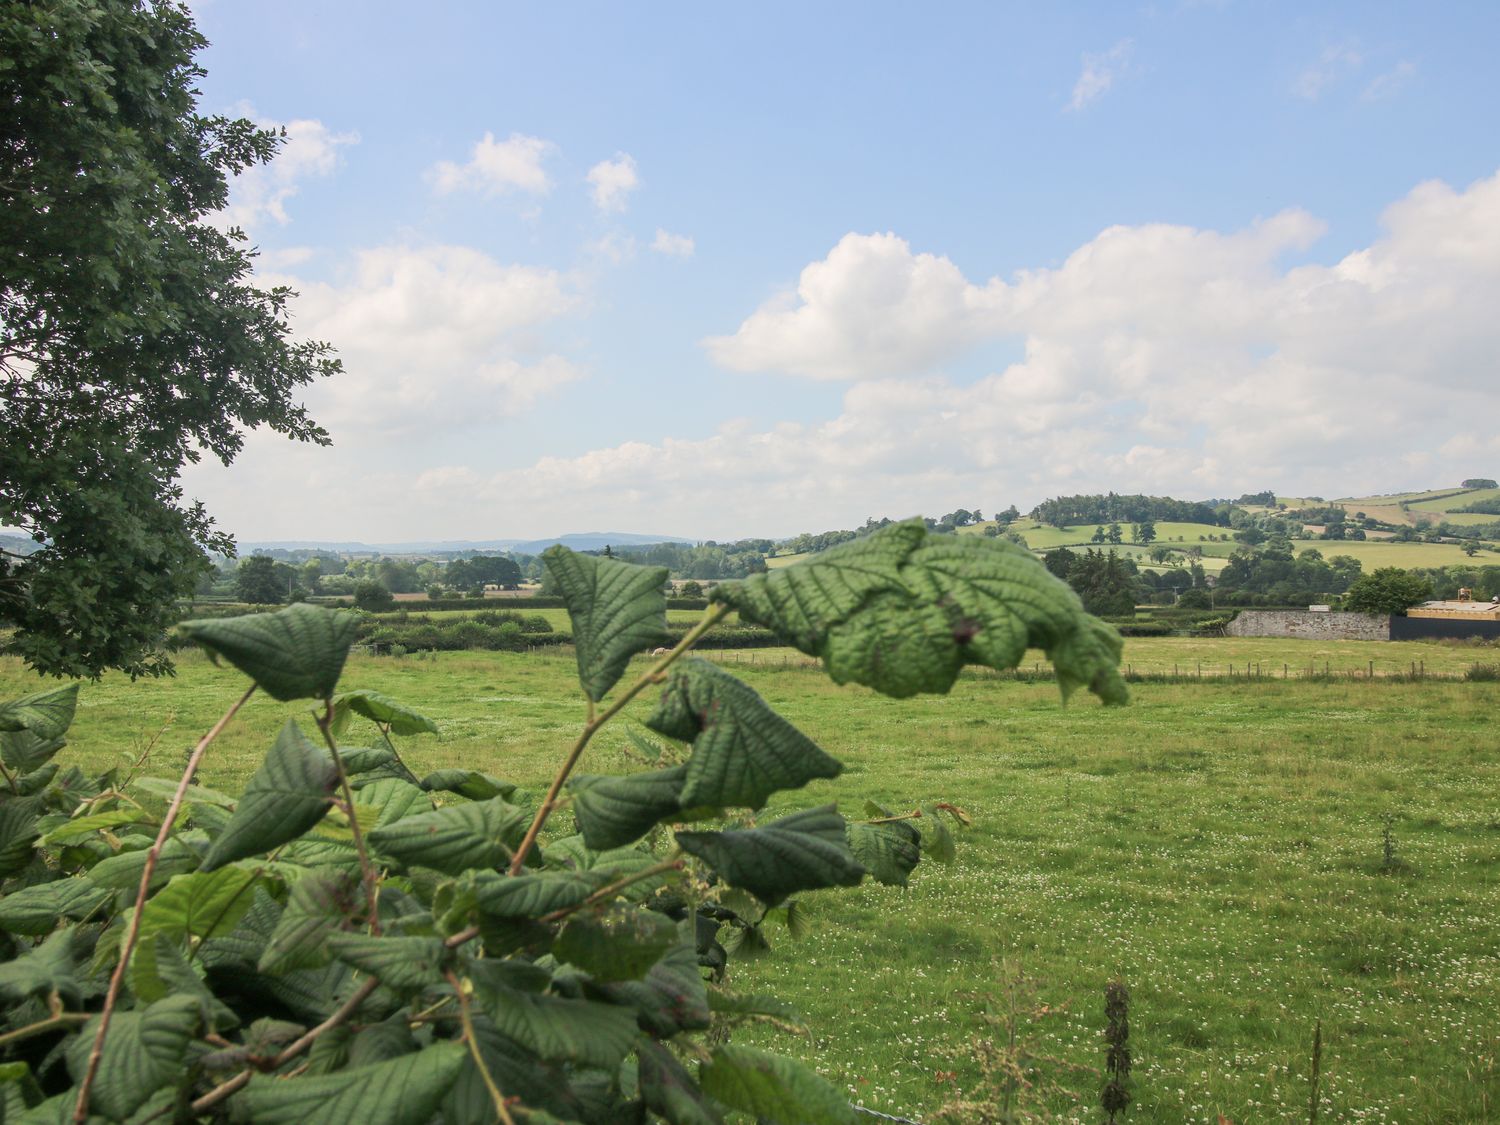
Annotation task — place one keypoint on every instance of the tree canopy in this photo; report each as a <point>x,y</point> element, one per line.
<point>1387,590</point>
<point>132,339</point>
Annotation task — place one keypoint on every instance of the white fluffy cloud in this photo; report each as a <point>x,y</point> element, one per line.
<point>435,334</point>
<point>496,167</point>
<point>672,245</point>
<point>1099,73</point>
<point>613,181</point>
<point>1333,64</point>
<point>261,192</point>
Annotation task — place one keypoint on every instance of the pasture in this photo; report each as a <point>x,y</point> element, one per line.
<point>1250,856</point>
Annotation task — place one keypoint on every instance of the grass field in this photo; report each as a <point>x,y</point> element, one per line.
<point>1220,846</point>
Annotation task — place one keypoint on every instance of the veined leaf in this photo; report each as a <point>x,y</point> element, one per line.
<point>18,1091</point>
<point>392,799</point>
<point>669,1089</point>
<point>166,971</point>
<point>18,836</point>
<point>617,944</point>
<point>672,998</point>
<point>123,872</point>
<point>37,909</point>
<point>937,838</point>
<point>47,714</point>
<point>295,653</point>
<point>404,1091</point>
<point>366,764</point>
<point>143,1053</point>
<point>801,852</point>
<point>529,896</point>
<point>556,1028</point>
<point>288,795</point>
<point>85,826</point>
<point>317,907</point>
<point>457,837</point>
<point>200,905</point>
<point>468,783</point>
<point>403,964</point>
<point>381,709</point>
<point>770,1086</point>
<point>617,610</point>
<point>737,1004</point>
<point>26,750</point>
<point>889,851</point>
<point>49,967</point>
<point>615,811</point>
<point>902,610</point>
<point>742,750</point>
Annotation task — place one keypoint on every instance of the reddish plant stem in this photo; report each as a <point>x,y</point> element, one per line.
<point>367,870</point>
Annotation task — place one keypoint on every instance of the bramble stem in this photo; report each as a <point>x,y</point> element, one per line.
<point>41,1027</point>
<point>10,779</point>
<point>81,1110</point>
<point>614,888</point>
<point>591,727</point>
<point>367,872</point>
<point>484,1072</point>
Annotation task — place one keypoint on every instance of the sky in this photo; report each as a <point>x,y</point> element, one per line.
<point>729,270</point>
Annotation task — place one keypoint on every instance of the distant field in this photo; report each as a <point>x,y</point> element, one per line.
<point>1372,554</point>
<point>1045,537</point>
<point>557,618</point>
<point>1218,846</point>
<point>777,561</point>
<point>1463,500</point>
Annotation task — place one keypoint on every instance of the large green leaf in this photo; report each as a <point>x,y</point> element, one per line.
<point>403,1091</point>
<point>18,836</point>
<point>614,811</point>
<point>888,851</point>
<point>742,750</point>
<point>143,1053</point>
<point>801,852</point>
<point>201,905</point>
<point>37,909</point>
<point>617,610</point>
<point>295,653</point>
<point>18,1091</point>
<point>472,784</point>
<point>457,837</point>
<point>123,872</point>
<point>773,1087</point>
<point>555,1027</point>
<point>26,750</point>
<point>672,998</point>
<point>47,714</point>
<point>83,827</point>
<point>318,906</point>
<point>620,944</point>
<point>903,609</point>
<point>402,964</point>
<point>51,966</point>
<point>669,1089</point>
<point>393,799</point>
<point>381,709</point>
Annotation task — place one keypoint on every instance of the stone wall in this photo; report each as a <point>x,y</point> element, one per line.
<point>1314,626</point>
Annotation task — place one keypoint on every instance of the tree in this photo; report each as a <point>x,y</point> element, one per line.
<point>372,596</point>
<point>261,580</point>
<point>1145,531</point>
<point>131,337</point>
<point>690,589</point>
<point>1115,535</point>
<point>1387,590</point>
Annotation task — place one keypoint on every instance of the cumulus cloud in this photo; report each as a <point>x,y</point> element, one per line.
<point>1390,83</point>
<point>1099,73</point>
<point>437,334</point>
<point>1335,63</point>
<point>496,167</point>
<point>672,245</point>
<point>261,192</point>
<point>613,181</point>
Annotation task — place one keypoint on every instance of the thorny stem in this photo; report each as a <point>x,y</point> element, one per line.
<point>469,1037</point>
<point>650,676</point>
<point>81,1110</point>
<point>367,871</point>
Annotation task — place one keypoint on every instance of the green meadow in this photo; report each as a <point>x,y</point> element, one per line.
<point>1250,856</point>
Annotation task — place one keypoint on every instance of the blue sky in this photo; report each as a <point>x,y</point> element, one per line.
<point>716,270</point>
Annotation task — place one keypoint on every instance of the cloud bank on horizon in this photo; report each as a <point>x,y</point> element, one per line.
<point>483,397</point>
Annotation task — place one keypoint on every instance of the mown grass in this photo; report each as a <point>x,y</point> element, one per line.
<point>1217,845</point>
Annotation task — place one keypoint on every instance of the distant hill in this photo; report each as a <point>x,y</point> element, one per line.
<point>578,541</point>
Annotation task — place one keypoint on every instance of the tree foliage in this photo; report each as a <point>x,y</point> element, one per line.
<point>131,337</point>
<point>1387,590</point>
<point>346,944</point>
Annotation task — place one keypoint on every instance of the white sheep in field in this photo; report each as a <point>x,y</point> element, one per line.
<point>660,651</point>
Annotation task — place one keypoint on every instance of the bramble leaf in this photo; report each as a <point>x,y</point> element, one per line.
<point>200,905</point>
<point>742,750</point>
<point>614,811</point>
<point>888,851</point>
<point>26,750</point>
<point>381,709</point>
<point>18,836</point>
<point>402,964</point>
<point>318,905</point>
<point>143,1053</point>
<point>902,610</point>
<point>555,1027</point>
<point>288,795</point>
<point>801,852</point>
<point>295,653</point>
<point>403,1091</point>
<point>673,996</point>
<point>669,1089</point>
<point>457,837</point>
<point>468,783</point>
<point>50,967</point>
<point>617,610</point>
<point>771,1086</point>
<point>47,714</point>
<point>36,909</point>
<point>617,944</point>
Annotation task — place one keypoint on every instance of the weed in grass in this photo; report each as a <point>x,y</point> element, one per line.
<point>1115,1095</point>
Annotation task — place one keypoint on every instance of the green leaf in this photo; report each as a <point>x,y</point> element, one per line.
<point>468,783</point>
<point>318,906</point>
<point>556,1028</point>
<point>25,750</point>
<point>166,971</point>
<point>201,905</point>
<point>37,909</point>
<point>392,799</point>
<point>742,750</point>
<point>614,811</point>
<point>143,1053</point>
<point>518,1072</point>
<point>403,964</point>
<point>194,795</point>
<point>123,872</point>
<point>774,1087</point>
<point>669,1089</point>
<point>937,838</point>
<point>617,610</point>
<point>381,709</point>
<point>455,838</point>
<point>888,851</point>
<point>620,944</point>
<point>51,966</point>
<point>403,1091</point>
<point>18,1090</point>
<point>801,852</point>
<point>366,764</point>
<point>672,998</point>
<point>18,836</point>
<point>288,795</point>
<point>737,1004</point>
<point>47,714</point>
<point>902,610</point>
<point>85,826</point>
<point>295,653</point>
<point>529,896</point>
